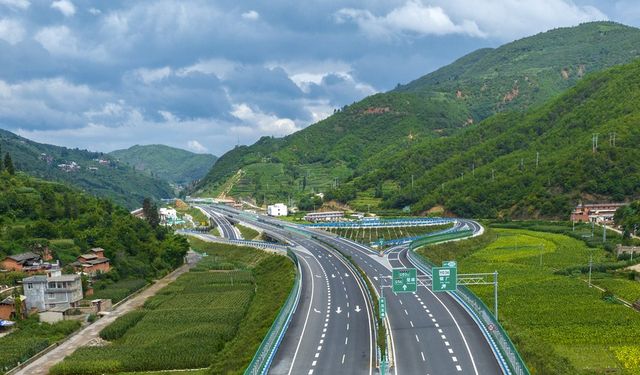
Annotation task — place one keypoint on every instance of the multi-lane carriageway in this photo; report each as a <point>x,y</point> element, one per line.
<point>332,333</point>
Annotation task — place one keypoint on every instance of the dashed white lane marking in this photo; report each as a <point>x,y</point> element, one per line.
<point>417,339</point>
<point>450,351</point>
<point>422,354</point>
<point>454,359</point>
<point>458,368</point>
<point>405,312</point>
<point>343,359</point>
<point>347,326</point>
<point>400,301</point>
<point>439,330</point>
<point>346,340</point>
<point>319,348</point>
<point>310,371</point>
<point>443,337</point>
<point>446,343</point>
<point>321,341</point>
<point>433,320</point>
<point>323,335</point>
<point>437,325</point>
<point>317,355</point>
<point>411,322</point>
<point>314,363</point>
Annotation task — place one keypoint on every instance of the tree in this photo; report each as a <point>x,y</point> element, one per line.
<point>17,304</point>
<point>8,164</point>
<point>150,211</point>
<point>1,164</point>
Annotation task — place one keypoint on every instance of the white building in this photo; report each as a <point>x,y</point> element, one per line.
<point>55,290</point>
<point>167,213</point>
<point>278,209</point>
<point>324,216</point>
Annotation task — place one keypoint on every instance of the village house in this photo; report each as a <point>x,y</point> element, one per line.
<point>597,212</point>
<point>92,262</point>
<point>45,292</point>
<point>8,308</point>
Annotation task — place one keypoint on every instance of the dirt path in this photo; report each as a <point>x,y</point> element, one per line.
<point>42,365</point>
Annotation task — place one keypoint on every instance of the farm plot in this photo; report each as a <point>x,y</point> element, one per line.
<point>191,321</point>
<point>369,235</point>
<point>559,324</point>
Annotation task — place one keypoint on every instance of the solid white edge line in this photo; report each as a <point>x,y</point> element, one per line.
<point>304,327</point>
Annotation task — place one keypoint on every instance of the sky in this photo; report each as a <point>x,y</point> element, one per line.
<point>207,75</point>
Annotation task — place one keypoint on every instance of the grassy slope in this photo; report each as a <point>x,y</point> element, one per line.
<point>170,164</point>
<point>352,140</point>
<point>560,325</point>
<point>116,181</point>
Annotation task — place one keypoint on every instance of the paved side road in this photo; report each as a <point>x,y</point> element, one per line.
<point>42,365</point>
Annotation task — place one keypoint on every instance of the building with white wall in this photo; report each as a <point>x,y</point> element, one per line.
<point>54,290</point>
<point>278,209</point>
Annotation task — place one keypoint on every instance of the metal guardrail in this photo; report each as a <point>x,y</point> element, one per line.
<point>381,223</point>
<point>266,352</point>
<point>505,351</point>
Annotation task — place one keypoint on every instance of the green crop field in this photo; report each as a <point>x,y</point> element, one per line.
<point>213,316</point>
<point>29,338</point>
<point>559,324</point>
<point>247,233</point>
<point>368,235</point>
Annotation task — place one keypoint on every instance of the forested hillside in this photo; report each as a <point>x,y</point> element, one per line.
<point>516,77</point>
<point>36,214</point>
<point>524,165</point>
<point>174,165</point>
<point>93,172</point>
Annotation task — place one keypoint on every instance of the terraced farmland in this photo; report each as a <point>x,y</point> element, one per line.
<point>215,315</point>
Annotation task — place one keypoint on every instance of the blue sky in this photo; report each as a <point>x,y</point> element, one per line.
<point>203,75</point>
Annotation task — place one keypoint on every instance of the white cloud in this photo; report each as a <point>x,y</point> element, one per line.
<point>16,4</point>
<point>251,15</point>
<point>264,123</point>
<point>220,67</point>
<point>413,17</point>
<point>511,19</point>
<point>11,31</point>
<point>196,147</point>
<point>65,7</point>
<point>94,11</point>
<point>153,75</point>
<point>59,40</point>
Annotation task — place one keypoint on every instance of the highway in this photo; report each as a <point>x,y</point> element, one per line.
<point>332,330</point>
<point>227,230</point>
<point>430,332</point>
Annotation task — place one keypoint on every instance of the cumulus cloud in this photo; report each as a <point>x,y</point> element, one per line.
<point>153,75</point>
<point>196,147</point>
<point>11,31</point>
<point>65,7</point>
<point>251,15</point>
<point>16,4</point>
<point>511,19</point>
<point>218,66</point>
<point>413,17</point>
<point>265,123</point>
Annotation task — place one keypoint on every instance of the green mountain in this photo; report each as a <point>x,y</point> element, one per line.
<point>174,165</point>
<point>539,163</point>
<point>93,172</point>
<point>357,139</point>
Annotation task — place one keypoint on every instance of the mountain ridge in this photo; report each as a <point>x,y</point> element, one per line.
<point>339,149</point>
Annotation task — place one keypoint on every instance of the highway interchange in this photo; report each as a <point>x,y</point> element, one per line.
<point>332,330</point>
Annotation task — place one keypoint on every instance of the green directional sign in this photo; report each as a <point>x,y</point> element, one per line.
<point>383,308</point>
<point>445,279</point>
<point>449,263</point>
<point>405,280</point>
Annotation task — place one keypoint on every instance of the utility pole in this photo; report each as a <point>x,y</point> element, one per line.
<point>590,266</point>
<point>493,176</point>
<point>594,142</point>
<point>522,164</point>
<point>593,228</point>
<point>612,139</point>
<point>411,182</point>
<point>462,176</point>
<point>495,294</point>
<point>573,229</point>
<point>604,233</point>
<point>541,251</point>
<point>537,158</point>
<point>473,169</point>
